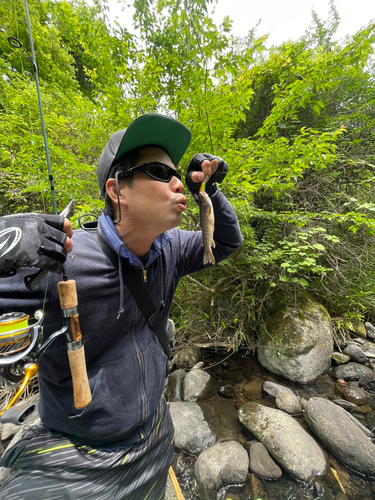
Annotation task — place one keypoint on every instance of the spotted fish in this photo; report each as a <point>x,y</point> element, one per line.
<point>207,222</point>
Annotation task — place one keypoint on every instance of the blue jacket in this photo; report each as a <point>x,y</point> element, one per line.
<point>125,362</point>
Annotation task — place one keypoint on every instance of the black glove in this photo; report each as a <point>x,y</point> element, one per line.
<point>31,240</point>
<point>195,165</point>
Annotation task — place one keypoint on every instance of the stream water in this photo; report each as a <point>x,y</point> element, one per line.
<point>235,372</point>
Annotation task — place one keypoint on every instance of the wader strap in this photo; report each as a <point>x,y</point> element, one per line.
<point>138,290</point>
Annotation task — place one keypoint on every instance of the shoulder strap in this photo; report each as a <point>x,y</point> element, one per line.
<point>138,291</point>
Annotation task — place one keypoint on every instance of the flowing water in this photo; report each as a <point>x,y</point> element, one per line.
<point>233,373</point>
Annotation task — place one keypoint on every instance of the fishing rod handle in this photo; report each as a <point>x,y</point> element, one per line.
<point>76,352</point>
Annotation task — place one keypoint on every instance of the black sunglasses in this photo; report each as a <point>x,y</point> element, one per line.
<point>154,169</point>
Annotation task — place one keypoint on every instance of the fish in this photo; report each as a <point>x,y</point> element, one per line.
<point>207,223</point>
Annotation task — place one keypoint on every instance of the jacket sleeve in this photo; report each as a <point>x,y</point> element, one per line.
<point>227,237</point>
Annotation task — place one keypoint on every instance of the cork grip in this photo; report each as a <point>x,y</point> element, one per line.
<point>81,389</point>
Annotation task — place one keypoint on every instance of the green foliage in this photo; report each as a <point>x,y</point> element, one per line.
<point>294,122</point>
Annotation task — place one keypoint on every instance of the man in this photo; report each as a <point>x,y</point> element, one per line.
<point>121,445</point>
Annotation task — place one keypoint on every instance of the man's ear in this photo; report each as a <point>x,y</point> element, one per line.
<point>110,186</point>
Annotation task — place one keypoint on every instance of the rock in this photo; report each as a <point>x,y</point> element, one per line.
<point>356,354</point>
<point>350,371</point>
<point>253,390</point>
<point>286,441</point>
<point>370,331</point>
<point>359,340</point>
<point>187,358</point>
<point>369,347</point>
<point>174,390</point>
<point>198,366</point>
<point>345,440</point>
<point>368,382</point>
<point>351,406</point>
<point>198,385</point>
<point>273,389</point>
<point>363,428</point>
<point>262,464</point>
<point>355,394</point>
<point>296,342</point>
<point>257,488</point>
<point>221,465</point>
<point>339,359</point>
<point>342,382</point>
<point>359,328</point>
<point>193,434</point>
<point>227,392</point>
<point>289,403</point>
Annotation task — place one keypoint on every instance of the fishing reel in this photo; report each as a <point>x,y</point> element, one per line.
<point>20,349</point>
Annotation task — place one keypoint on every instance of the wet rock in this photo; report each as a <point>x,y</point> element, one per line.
<point>370,330</point>
<point>355,394</point>
<point>226,391</point>
<point>198,385</point>
<point>253,390</point>
<point>339,358</point>
<point>273,389</point>
<point>286,441</point>
<point>296,342</point>
<point>187,358</point>
<point>370,421</point>
<point>350,371</point>
<point>356,354</point>
<point>174,390</point>
<point>341,382</point>
<point>257,488</point>
<point>348,406</point>
<point>262,464</point>
<point>289,403</point>
<point>345,440</point>
<point>221,465</point>
<point>359,328</point>
<point>193,434</point>
<point>359,424</point>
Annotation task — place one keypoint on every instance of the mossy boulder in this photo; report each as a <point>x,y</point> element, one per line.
<point>296,340</point>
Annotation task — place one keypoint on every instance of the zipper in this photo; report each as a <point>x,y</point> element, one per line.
<point>143,397</point>
<point>144,275</point>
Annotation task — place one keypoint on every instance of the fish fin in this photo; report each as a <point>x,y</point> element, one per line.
<point>213,244</point>
<point>208,258</point>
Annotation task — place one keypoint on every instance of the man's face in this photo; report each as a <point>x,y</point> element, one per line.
<point>151,203</point>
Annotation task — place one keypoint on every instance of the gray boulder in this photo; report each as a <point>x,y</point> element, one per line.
<point>262,464</point>
<point>198,385</point>
<point>356,354</point>
<point>223,464</point>
<point>370,331</point>
<point>188,357</point>
<point>193,434</point>
<point>175,388</point>
<point>288,403</point>
<point>350,371</point>
<point>368,382</point>
<point>345,440</point>
<point>273,389</point>
<point>286,441</point>
<point>296,341</point>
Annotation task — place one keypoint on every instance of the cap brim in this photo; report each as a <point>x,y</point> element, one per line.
<point>158,130</point>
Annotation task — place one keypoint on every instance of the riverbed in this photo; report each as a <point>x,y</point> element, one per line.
<point>239,379</point>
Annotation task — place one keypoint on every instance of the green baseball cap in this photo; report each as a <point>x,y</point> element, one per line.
<point>150,129</point>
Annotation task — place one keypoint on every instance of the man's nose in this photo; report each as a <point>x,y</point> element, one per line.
<point>176,185</point>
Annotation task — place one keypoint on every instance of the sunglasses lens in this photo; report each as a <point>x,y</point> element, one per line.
<point>161,172</point>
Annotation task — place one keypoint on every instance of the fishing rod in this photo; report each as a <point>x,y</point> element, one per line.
<point>20,342</point>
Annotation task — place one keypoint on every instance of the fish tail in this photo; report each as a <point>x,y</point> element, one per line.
<point>208,257</point>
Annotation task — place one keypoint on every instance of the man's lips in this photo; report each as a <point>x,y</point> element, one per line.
<point>181,203</point>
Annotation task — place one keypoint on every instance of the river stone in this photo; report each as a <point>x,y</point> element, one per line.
<point>286,441</point>
<point>356,354</point>
<point>174,390</point>
<point>355,394</point>
<point>296,341</point>
<point>188,357</point>
<point>192,433</point>
<point>359,424</point>
<point>369,347</point>
<point>198,385</point>
<point>350,371</point>
<point>340,358</point>
<point>221,465</point>
<point>289,403</point>
<point>368,382</point>
<point>359,328</point>
<point>262,464</point>
<point>253,389</point>
<point>273,389</point>
<point>370,330</point>
<point>345,440</point>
